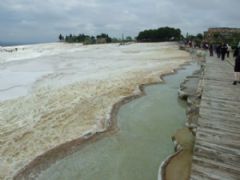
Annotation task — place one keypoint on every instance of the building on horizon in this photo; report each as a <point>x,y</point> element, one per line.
<point>222,34</point>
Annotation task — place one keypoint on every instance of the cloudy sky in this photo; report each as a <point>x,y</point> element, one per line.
<point>43,20</point>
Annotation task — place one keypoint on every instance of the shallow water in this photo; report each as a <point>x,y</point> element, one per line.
<point>142,143</point>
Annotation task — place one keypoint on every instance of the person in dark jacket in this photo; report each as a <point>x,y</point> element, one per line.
<point>237,66</point>
<point>223,51</point>
<point>218,50</point>
<point>211,50</point>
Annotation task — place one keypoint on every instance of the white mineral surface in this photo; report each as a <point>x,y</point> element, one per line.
<point>56,92</point>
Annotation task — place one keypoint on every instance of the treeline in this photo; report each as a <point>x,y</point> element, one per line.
<point>79,38</point>
<point>160,35</point>
<point>86,39</point>
<point>151,35</point>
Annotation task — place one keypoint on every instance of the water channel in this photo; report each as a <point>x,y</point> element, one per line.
<point>142,143</point>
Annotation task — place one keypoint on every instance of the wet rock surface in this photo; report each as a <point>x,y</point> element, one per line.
<point>191,90</point>
<point>179,165</point>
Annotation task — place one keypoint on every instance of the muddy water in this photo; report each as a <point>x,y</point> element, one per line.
<point>137,149</point>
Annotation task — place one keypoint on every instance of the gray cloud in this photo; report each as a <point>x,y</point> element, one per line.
<point>35,20</point>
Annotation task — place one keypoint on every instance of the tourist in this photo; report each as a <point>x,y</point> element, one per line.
<point>218,50</point>
<point>223,51</point>
<point>237,65</point>
<point>228,50</point>
<point>211,50</point>
<point>190,44</point>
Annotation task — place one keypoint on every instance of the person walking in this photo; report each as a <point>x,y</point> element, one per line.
<point>237,65</point>
<point>218,50</point>
<point>211,50</point>
<point>223,51</point>
<point>228,50</point>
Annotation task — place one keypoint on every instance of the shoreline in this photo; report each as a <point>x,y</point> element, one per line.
<point>181,139</point>
<point>44,160</point>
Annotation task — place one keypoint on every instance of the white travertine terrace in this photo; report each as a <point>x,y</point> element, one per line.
<point>53,93</point>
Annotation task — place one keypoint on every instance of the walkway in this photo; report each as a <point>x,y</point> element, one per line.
<point>217,147</point>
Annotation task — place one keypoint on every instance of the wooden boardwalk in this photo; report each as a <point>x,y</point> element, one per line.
<point>217,147</point>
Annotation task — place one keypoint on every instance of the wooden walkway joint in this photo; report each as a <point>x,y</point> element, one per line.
<point>217,147</point>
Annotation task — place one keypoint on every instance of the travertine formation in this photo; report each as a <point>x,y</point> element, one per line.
<point>178,166</point>
<point>54,93</point>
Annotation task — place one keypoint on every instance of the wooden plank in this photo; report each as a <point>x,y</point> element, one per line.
<point>224,95</point>
<point>215,113</point>
<point>216,166</point>
<point>223,157</point>
<point>218,82</point>
<point>217,148</point>
<point>215,124</point>
<point>202,172</point>
<point>218,136</point>
<point>211,100</point>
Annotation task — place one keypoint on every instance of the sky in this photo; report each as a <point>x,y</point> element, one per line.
<point>43,20</point>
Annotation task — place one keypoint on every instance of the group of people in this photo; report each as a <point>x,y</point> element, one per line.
<point>221,50</point>
<point>224,49</point>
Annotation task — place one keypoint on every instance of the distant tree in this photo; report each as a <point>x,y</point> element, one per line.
<point>116,40</point>
<point>196,39</point>
<point>86,39</point>
<point>60,37</point>
<point>160,34</point>
<point>104,36</point>
<point>200,36</point>
<point>129,38</point>
<point>89,40</point>
<point>74,39</point>
<point>81,37</point>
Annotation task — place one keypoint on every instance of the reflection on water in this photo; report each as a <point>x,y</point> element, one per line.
<point>144,140</point>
